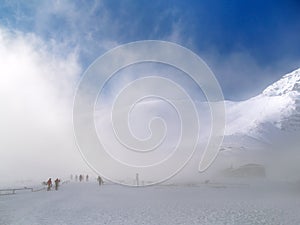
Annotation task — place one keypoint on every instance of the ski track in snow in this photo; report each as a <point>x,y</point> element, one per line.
<point>87,203</point>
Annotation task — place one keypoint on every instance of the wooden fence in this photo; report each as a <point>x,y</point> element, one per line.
<point>12,191</point>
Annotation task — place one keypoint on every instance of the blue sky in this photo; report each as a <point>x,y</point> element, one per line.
<point>247,44</point>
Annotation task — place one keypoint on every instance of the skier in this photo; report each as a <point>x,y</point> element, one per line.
<point>100,181</point>
<point>87,178</point>
<point>57,181</point>
<point>80,177</point>
<point>49,184</point>
<point>137,179</point>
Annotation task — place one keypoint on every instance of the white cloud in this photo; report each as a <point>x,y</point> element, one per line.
<point>36,94</point>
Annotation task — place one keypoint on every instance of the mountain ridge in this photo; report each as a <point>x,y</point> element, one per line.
<point>268,117</point>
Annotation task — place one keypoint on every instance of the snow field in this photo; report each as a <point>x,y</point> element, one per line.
<point>87,203</point>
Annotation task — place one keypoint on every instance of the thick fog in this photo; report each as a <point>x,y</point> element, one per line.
<point>37,90</point>
<point>37,140</point>
<point>36,93</point>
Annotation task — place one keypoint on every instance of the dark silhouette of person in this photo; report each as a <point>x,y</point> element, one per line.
<point>100,180</point>
<point>80,177</point>
<point>87,178</point>
<point>57,181</point>
<point>49,184</point>
<point>137,179</point>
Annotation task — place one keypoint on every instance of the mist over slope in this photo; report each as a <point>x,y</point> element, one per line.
<point>266,128</point>
<point>261,130</point>
<point>272,114</point>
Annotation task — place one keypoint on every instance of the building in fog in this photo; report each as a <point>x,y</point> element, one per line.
<point>248,170</point>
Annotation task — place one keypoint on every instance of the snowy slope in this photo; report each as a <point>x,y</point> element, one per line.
<point>289,84</point>
<point>254,127</point>
<point>272,114</point>
<point>259,122</point>
<point>89,204</point>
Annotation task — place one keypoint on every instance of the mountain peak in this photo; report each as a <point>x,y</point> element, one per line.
<point>289,83</point>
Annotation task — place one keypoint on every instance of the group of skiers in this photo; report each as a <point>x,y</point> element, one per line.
<point>49,184</point>
<point>80,178</point>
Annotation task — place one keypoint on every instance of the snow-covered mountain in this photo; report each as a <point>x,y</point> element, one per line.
<point>255,123</point>
<point>266,118</point>
<point>259,130</point>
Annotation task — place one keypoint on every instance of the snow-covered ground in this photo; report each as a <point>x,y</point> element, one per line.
<point>87,203</point>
